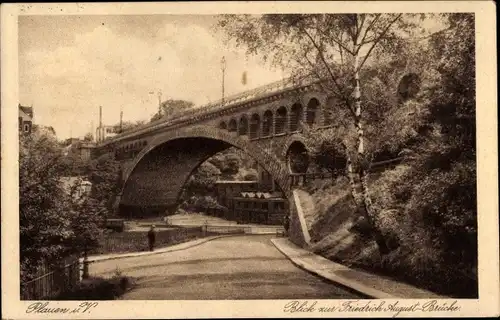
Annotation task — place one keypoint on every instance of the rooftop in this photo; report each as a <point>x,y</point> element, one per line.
<point>27,110</point>
<point>261,195</point>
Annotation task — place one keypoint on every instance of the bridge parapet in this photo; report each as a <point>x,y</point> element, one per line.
<point>213,109</point>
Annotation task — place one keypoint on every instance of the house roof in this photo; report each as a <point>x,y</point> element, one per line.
<point>24,116</point>
<point>26,110</point>
<point>261,195</point>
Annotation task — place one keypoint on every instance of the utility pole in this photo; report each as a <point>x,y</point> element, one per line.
<point>100,116</point>
<point>223,66</point>
<point>99,130</point>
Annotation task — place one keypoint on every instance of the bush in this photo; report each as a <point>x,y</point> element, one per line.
<point>53,221</point>
<point>429,219</point>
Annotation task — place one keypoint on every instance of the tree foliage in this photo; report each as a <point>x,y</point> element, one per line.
<point>106,177</point>
<point>202,181</point>
<point>327,153</point>
<point>127,125</point>
<point>437,190</point>
<point>333,49</point>
<point>230,164</point>
<point>88,137</point>
<point>417,99</point>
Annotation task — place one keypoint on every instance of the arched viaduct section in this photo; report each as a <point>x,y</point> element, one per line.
<point>155,177</point>
<point>157,159</point>
<point>266,121</point>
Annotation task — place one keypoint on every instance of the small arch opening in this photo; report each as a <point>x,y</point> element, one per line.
<point>312,108</point>
<point>243,126</point>
<point>409,86</point>
<point>296,113</point>
<point>297,158</point>
<point>267,123</point>
<point>223,125</point>
<point>232,126</point>
<point>328,111</point>
<point>254,126</point>
<point>281,119</point>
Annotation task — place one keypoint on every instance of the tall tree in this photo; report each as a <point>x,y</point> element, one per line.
<point>128,125</point>
<point>172,108</point>
<point>333,49</point>
<point>50,215</point>
<point>105,176</point>
<point>88,137</point>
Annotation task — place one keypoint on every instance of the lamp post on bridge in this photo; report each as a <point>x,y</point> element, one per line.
<point>159,94</point>
<point>223,67</point>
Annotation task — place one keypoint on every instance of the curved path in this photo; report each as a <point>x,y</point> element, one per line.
<point>240,267</point>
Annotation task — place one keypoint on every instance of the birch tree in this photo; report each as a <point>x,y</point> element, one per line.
<point>333,49</point>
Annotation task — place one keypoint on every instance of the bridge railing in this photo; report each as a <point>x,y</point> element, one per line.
<point>277,86</point>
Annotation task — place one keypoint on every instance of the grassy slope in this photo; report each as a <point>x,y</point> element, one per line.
<point>331,223</point>
<point>332,236</point>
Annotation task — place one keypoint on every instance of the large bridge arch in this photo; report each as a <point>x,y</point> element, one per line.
<point>155,177</point>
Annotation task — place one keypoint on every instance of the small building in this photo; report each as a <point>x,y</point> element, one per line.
<point>247,202</point>
<point>260,207</point>
<point>225,190</point>
<point>25,119</point>
<point>84,149</point>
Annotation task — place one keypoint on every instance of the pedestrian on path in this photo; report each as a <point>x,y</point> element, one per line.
<point>151,237</point>
<point>286,224</point>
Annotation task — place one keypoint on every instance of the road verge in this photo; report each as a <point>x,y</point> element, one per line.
<point>371,285</point>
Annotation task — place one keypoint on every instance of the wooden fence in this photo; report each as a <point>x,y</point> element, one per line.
<point>51,281</point>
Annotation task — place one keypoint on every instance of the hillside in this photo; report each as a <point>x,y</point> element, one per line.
<point>339,233</point>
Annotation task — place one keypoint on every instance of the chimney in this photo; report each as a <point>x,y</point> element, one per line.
<point>100,116</point>
<point>121,121</point>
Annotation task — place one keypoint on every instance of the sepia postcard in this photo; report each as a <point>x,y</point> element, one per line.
<point>313,159</point>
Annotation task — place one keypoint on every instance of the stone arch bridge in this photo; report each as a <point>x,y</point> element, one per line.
<point>158,158</point>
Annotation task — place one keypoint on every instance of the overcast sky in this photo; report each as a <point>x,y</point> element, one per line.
<point>69,65</point>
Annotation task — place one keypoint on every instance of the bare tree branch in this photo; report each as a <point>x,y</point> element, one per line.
<point>340,50</point>
<point>373,22</point>
<point>322,58</point>
<point>350,30</point>
<point>338,93</point>
<point>332,76</point>
<point>360,27</point>
<point>376,41</point>
<point>338,42</point>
